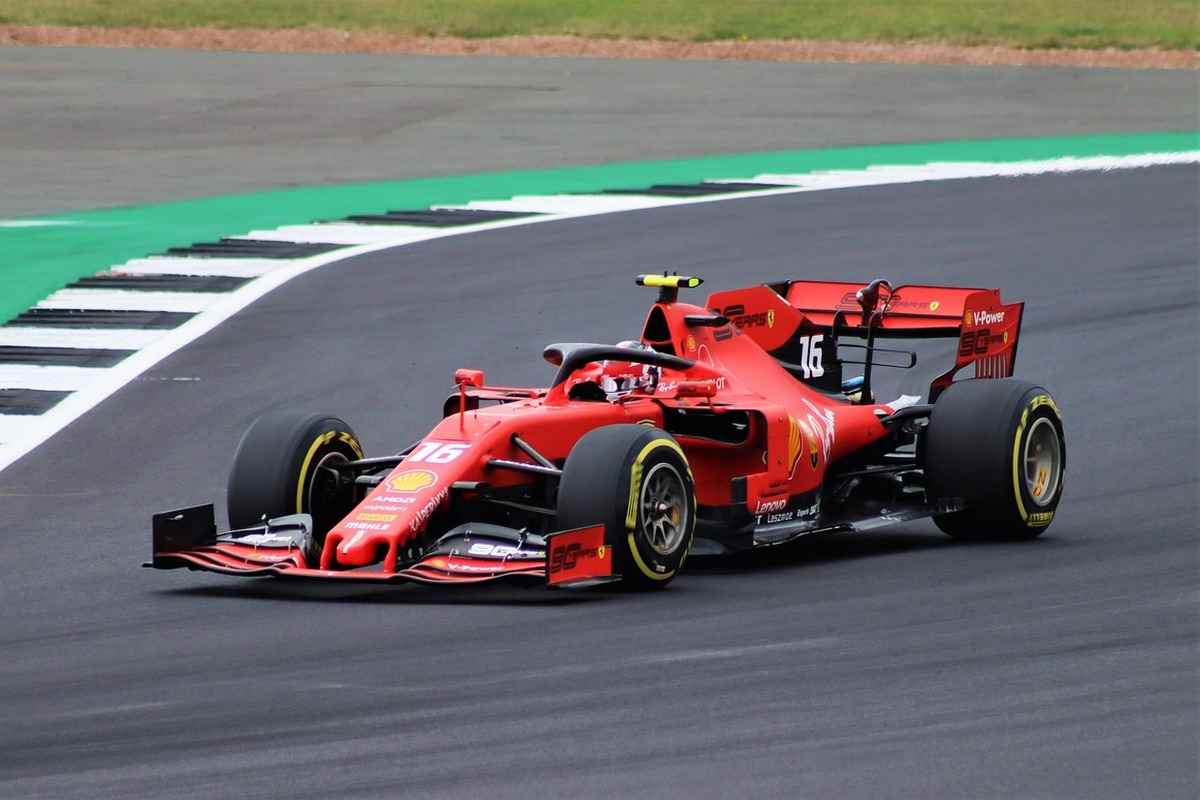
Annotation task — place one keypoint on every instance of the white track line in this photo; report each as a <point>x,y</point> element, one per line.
<point>57,379</point>
<point>942,171</point>
<point>574,203</point>
<point>35,223</point>
<point>14,427</point>
<point>129,300</point>
<point>108,381</point>
<point>179,265</point>
<point>91,338</point>
<point>341,233</point>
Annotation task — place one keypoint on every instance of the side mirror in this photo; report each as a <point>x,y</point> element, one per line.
<point>468,377</point>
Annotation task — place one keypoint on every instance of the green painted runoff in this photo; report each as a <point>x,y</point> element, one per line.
<point>42,259</point>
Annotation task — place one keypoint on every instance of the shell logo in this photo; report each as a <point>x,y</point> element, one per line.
<point>691,343</point>
<point>413,480</point>
<point>770,318</point>
<point>967,318</point>
<point>933,306</point>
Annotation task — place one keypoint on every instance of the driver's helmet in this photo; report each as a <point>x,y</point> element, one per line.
<point>619,378</point>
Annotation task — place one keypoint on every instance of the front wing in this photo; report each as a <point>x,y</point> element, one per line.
<point>188,538</point>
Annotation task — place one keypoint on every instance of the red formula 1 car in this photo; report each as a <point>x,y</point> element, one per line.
<point>723,428</point>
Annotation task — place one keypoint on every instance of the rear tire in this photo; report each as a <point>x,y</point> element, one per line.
<point>634,480</point>
<point>998,446</point>
<point>280,469</point>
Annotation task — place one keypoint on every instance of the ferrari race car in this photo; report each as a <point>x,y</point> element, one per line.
<point>724,427</point>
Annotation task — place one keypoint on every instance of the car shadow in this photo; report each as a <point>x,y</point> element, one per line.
<point>276,590</point>
<point>809,551</point>
<point>819,549</point>
<point>824,548</point>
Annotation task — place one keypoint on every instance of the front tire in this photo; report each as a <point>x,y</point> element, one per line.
<point>998,446</point>
<point>635,480</point>
<point>282,466</point>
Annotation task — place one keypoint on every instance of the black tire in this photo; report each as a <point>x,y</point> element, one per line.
<point>607,478</point>
<point>980,434</point>
<point>276,470</point>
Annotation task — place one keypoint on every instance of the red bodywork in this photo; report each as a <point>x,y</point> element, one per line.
<point>754,352</point>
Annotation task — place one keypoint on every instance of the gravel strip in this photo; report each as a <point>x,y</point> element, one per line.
<point>336,41</point>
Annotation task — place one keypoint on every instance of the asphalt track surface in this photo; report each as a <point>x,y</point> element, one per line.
<point>896,664</point>
<point>85,127</point>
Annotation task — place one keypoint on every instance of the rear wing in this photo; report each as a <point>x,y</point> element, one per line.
<point>987,329</point>
<point>923,311</point>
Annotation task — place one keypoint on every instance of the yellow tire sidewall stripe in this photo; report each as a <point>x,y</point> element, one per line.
<point>1036,403</point>
<point>312,451</point>
<point>351,442</point>
<point>323,439</point>
<point>1016,465</point>
<point>635,480</point>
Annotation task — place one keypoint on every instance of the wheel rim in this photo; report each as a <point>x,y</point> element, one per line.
<point>664,507</point>
<point>323,488</point>
<point>1043,462</point>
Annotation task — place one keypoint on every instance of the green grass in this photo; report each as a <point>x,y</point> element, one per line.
<point>1173,24</point>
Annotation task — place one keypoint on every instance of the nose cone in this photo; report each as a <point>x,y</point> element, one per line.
<point>359,550</point>
<point>388,519</point>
